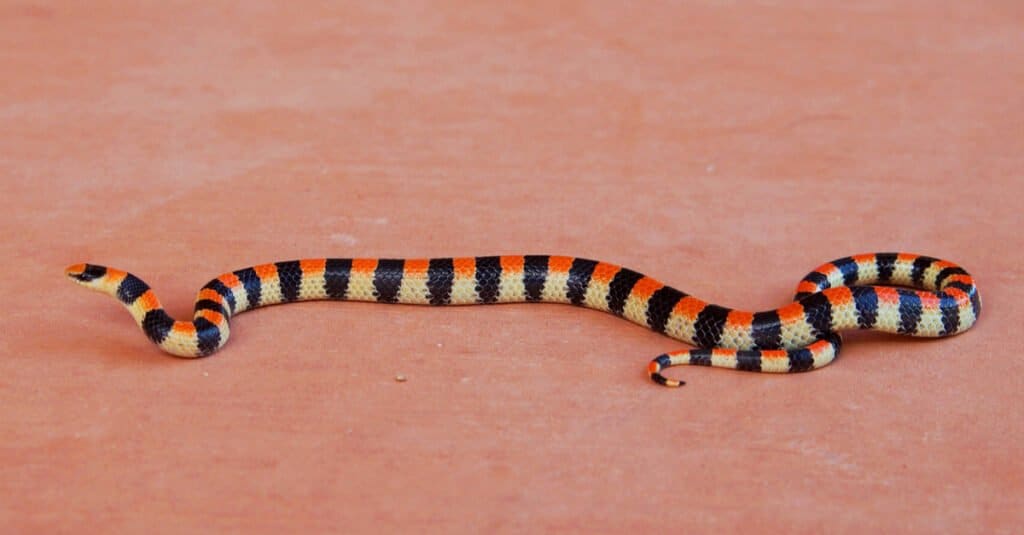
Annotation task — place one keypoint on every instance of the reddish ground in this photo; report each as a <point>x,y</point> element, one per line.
<point>725,148</point>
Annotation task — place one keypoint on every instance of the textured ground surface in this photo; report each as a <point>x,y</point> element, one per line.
<point>725,148</point>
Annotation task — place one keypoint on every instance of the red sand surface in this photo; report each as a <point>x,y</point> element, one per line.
<point>725,148</point>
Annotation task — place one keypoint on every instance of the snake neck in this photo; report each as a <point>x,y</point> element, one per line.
<point>204,334</point>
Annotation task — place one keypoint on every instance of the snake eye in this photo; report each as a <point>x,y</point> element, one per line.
<point>85,272</point>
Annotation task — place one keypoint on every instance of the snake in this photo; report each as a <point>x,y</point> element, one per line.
<point>899,293</point>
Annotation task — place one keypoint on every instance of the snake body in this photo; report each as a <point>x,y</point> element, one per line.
<point>898,293</point>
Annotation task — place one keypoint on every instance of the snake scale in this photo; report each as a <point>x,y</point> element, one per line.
<point>898,293</point>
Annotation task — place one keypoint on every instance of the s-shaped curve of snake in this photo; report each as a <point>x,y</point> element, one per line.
<point>898,293</point>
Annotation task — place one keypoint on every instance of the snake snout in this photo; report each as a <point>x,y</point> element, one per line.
<point>85,272</point>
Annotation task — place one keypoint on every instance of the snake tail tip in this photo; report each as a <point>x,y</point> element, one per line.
<point>670,383</point>
<point>665,381</point>
<point>654,371</point>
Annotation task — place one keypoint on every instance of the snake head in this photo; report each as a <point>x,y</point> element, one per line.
<point>86,274</point>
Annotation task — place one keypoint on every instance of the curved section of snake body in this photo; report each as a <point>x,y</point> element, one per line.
<point>898,293</point>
